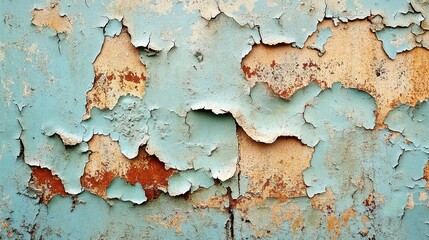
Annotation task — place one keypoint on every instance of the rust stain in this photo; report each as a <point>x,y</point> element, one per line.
<point>46,184</point>
<point>335,223</point>
<point>324,201</point>
<point>51,18</point>
<point>6,226</point>
<point>98,182</point>
<point>310,65</point>
<point>106,162</point>
<point>426,175</point>
<point>353,57</point>
<point>118,72</point>
<point>347,215</point>
<point>370,203</point>
<point>297,224</point>
<point>247,71</point>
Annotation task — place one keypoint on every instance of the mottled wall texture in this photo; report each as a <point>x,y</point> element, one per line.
<point>214,119</point>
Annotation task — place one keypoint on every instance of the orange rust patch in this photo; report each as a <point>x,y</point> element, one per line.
<point>370,203</point>
<point>310,65</point>
<point>324,201</point>
<point>335,223</point>
<point>353,57</point>
<point>51,18</point>
<point>247,71</point>
<point>365,218</point>
<point>274,170</point>
<point>426,175</point>
<point>118,72</point>
<point>150,173</point>
<point>98,182</point>
<point>46,184</point>
<point>106,162</point>
<point>297,224</point>
<point>7,228</point>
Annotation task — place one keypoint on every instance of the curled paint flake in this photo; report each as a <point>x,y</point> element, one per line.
<point>124,191</point>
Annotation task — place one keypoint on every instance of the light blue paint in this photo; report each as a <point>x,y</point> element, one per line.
<point>322,37</point>
<point>56,74</point>
<point>394,13</point>
<point>413,123</point>
<point>178,185</point>
<point>357,158</point>
<point>113,28</point>
<point>270,116</point>
<point>338,109</point>
<point>276,22</point>
<point>126,123</point>
<point>188,143</point>
<point>124,191</point>
<point>184,181</point>
<point>397,40</point>
<point>255,221</point>
<point>412,225</point>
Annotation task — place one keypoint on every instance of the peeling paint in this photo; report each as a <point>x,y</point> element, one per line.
<point>46,184</point>
<point>214,119</point>
<point>118,72</point>
<point>360,63</point>
<point>107,162</point>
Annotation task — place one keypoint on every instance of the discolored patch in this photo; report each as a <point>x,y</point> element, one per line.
<point>118,72</point>
<point>46,184</point>
<point>324,201</point>
<point>51,18</point>
<point>426,175</point>
<point>175,221</point>
<point>273,170</point>
<point>106,162</point>
<point>357,62</point>
<point>335,223</point>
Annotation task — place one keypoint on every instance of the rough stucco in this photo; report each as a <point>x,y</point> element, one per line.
<point>214,119</point>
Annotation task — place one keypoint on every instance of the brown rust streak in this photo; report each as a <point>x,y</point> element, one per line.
<point>106,162</point>
<point>118,72</point>
<point>353,57</point>
<point>46,184</point>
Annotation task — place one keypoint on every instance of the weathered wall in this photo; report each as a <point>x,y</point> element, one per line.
<point>214,119</point>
